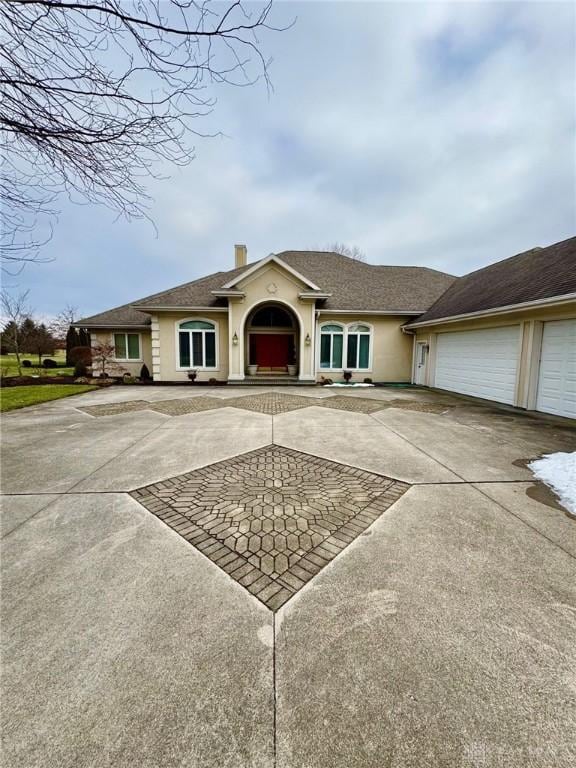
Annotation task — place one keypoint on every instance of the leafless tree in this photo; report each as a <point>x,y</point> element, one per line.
<point>15,311</point>
<point>60,325</point>
<point>352,251</point>
<point>95,93</point>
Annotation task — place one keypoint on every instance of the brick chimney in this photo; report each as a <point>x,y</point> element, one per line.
<point>240,255</point>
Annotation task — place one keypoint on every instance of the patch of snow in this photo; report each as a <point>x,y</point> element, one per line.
<point>558,471</point>
<point>348,386</point>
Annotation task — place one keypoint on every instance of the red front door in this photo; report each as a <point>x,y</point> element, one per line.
<point>272,350</point>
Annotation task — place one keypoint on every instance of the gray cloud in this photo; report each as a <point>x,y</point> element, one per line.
<point>440,135</point>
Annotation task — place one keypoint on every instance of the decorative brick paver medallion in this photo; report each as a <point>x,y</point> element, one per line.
<point>354,404</point>
<point>113,409</point>
<point>272,402</point>
<point>184,405</point>
<point>271,518</point>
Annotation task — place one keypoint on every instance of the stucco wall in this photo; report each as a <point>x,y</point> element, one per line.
<point>272,284</point>
<point>133,367</point>
<point>167,336</point>
<point>391,352</point>
<point>531,325</point>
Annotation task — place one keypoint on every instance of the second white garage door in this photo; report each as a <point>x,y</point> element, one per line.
<point>479,363</point>
<point>557,378</point>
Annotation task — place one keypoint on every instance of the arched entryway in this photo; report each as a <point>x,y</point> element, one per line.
<point>272,340</point>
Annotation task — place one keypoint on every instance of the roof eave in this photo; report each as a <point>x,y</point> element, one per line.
<point>415,313</point>
<point>178,308</point>
<point>508,309</point>
<point>228,293</point>
<point>111,325</point>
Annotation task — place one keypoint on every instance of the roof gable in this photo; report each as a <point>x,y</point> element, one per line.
<point>258,265</point>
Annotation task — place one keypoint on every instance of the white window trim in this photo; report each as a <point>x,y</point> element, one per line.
<point>138,359</point>
<point>193,367</point>
<point>331,333</point>
<point>345,332</point>
<point>360,333</point>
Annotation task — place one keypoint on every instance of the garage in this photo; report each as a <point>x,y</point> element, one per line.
<point>480,363</point>
<point>557,375</point>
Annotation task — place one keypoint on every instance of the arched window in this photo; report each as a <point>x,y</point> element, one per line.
<point>271,317</point>
<point>197,344</point>
<point>358,347</point>
<point>331,346</point>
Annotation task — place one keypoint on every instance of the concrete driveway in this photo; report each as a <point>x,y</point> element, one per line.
<point>436,630</point>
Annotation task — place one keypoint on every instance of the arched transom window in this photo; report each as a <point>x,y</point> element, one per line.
<point>197,344</point>
<point>345,346</point>
<point>271,317</point>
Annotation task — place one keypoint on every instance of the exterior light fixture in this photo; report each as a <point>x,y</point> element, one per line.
<point>307,340</point>
<point>235,339</point>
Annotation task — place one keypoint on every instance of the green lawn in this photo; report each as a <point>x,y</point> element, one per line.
<point>8,365</point>
<point>19,397</point>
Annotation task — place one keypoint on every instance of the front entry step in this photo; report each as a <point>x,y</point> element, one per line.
<point>267,380</point>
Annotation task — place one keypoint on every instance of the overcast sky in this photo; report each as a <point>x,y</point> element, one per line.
<point>433,134</point>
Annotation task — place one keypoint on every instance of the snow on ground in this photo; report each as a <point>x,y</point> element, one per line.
<point>358,384</point>
<point>558,470</point>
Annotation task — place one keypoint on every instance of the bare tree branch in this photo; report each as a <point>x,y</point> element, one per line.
<point>94,95</point>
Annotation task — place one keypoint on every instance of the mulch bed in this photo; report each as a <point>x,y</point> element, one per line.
<point>25,381</point>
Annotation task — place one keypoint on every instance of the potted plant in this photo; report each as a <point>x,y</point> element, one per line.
<point>252,370</point>
<point>347,376</point>
<point>192,376</point>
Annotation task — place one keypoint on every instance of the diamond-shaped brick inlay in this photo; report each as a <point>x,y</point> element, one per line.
<point>355,404</point>
<point>113,409</point>
<point>272,402</point>
<point>271,518</point>
<point>184,405</point>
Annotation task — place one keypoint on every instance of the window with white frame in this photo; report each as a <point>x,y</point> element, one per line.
<point>197,344</point>
<point>345,346</point>
<point>358,347</point>
<point>331,346</point>
<point>127,346</point>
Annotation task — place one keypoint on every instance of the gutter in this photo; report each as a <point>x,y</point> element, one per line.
<point>118,326</point>
<point>142,308</point>
<point>507,309</point>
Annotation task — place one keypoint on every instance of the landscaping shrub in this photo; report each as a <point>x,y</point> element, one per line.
<point>80,354</point>
<point>368,380</point>
<point>145,373</point>
<point>49,363</point>
<point>80,369</point>
<point>26,364</point>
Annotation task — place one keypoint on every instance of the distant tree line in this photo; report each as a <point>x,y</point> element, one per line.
<point>22,335</point>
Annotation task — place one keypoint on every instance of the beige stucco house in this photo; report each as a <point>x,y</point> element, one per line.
<point>505,333</point>
<point>294,316</point>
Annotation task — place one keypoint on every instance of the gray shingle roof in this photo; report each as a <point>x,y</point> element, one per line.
<point>354,285</point>
<point>119,317</point>
<point>540,273</point>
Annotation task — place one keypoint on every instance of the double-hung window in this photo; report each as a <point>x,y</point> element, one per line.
<point>197,344</point>
<point>331,346</point>
<point>127,346</point>
<point>358,347</point>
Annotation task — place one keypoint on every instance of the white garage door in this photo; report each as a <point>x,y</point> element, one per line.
<point>479,363</point>
<point>557,378</point>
